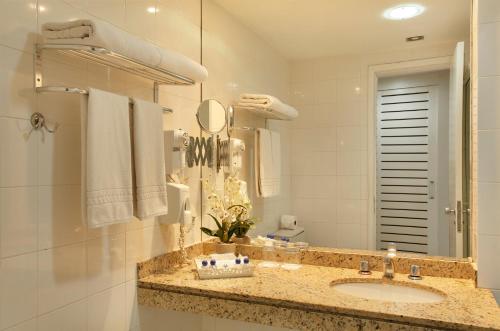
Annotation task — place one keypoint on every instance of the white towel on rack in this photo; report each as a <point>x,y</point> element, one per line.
<point>267,163</point>
<point>268,103</point>
<point>149,159</point>
<point>99,33</point>
<point>107,190</point>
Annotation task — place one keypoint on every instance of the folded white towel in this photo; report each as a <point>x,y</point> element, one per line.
<point>149,159</point>
<point>268,103</point>
<point>98,33</point>
<point>267,163</point>
<point>107,190</point>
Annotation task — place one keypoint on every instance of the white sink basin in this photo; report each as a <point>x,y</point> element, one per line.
<point>389,292</point>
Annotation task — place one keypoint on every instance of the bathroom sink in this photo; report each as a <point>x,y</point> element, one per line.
<point>394,292</point>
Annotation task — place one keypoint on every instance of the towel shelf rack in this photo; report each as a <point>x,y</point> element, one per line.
<point>109,58</point>
<point>76,90</point>
<point>105,57</point>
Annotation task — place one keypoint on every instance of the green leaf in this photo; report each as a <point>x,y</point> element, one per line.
<point>216,221</point>
<point>207,231</point>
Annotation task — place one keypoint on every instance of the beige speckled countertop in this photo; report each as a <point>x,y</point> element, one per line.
<point>309,289</point>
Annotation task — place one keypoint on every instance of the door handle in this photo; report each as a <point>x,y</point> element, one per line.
<point>449,211</point>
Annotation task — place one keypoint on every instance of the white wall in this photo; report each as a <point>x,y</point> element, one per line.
<point>488,145</point>
<point>329,143</point>
<point>441,80</point>
<point>54,273</point>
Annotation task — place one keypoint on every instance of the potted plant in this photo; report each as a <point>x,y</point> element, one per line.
<point>241,225</point>
<point>230,214</point>
<point>224,232</point>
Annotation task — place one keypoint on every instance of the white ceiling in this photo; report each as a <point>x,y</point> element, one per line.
<point>301,29</point>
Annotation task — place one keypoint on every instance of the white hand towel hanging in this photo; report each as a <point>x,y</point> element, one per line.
<point>267,163</point>
<point>107,189</point>
<point>149,159</point>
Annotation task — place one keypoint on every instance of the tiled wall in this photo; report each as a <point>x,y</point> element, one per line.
<point>488,140</point>
<point>329,143</point>
<point>54,273</point>
<point>238,61</point>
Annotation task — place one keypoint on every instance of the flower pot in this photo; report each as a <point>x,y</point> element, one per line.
<point>242,241</point>
<point>222,248</point>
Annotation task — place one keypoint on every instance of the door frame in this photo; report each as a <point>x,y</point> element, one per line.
<point>375,72</point>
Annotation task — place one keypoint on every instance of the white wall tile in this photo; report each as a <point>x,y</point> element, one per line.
<point>105,262</point>
<point>488,212</point>
<point>112,11</point>
<point>348,163</point>
<point>487,261</point>
<point>60,218</point>
<point>18,221</point>
<point>349,187</point>
<point>30,325</point>
<point>18,24</point>
<point>18,153</point>
<point>349,236</point>
<point>489,46</point>
<point>18,284</point>
<point>62,276</point>
<point>16,79</point>
<point>59,157</point>
<point>107,310</point>
<point>325,92</point>
<point>349,138</point>
<point>488,103</point>
<point>489,11</point>
<point>70,317</point>
<point>488,162</point>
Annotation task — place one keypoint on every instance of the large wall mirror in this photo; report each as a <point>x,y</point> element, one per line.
<point>380,150</point>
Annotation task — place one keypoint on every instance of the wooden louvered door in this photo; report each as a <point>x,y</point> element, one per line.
<point>406,169</point>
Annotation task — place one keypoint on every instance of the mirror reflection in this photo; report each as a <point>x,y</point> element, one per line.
<point>211,116</point>
<point>379,152</point>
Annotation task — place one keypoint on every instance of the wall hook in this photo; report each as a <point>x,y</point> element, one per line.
<point>38,121</point>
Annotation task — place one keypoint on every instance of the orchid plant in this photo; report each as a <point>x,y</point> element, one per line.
<point>231,213</point>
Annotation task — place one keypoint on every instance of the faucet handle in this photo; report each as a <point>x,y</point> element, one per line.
<point>415,272</point>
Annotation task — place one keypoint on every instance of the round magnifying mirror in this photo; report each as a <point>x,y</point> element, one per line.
<point>211,116</point>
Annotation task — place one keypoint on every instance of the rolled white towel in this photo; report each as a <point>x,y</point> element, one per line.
<point>270,103</point>
<point>99,33</point>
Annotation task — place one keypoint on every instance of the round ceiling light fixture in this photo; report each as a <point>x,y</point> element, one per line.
<point>403,12</point>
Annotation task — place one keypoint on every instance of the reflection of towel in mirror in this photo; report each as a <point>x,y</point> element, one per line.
<point>267,163</point>
<point>270,103</point>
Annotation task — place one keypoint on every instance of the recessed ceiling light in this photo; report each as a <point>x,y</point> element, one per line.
<point>152,10</point>
<point>403,12</point>
<point>415,38</point>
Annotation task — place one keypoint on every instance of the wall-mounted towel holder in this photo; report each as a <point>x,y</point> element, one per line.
<point>108,58</point>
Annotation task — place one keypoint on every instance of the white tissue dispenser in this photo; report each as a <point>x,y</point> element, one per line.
<point>179,209</point>
<point>175,144</point>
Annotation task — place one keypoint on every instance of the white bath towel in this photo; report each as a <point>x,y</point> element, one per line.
<point>149,159</point>
<point>267,163</point>
<point>268,103</point>
<point>98,33</point>
<point>107,189</point>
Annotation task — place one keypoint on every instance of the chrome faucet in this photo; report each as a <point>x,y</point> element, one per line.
<point>389,261</point>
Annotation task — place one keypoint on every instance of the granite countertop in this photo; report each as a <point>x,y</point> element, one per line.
<point>309,288</point>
